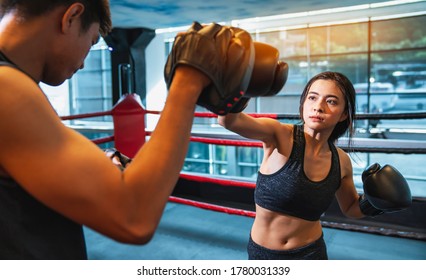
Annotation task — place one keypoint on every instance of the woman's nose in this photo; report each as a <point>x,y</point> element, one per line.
<point>318,107</point>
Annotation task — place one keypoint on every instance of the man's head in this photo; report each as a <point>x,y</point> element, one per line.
<point>59,33</point>
<point>95,10</point>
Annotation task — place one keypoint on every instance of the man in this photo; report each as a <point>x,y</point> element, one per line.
<point>52,179</point>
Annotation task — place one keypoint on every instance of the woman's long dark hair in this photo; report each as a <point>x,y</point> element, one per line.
<point>346,87</point>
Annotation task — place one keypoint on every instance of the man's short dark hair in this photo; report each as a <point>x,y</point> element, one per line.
<point>95,10</point>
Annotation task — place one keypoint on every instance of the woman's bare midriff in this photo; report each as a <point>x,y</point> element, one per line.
<point>277,231</point>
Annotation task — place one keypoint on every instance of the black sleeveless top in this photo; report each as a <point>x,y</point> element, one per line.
<point>29,229</point>
<point>290,191</point>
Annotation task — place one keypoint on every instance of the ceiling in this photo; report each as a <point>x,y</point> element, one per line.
<point>157,14</point>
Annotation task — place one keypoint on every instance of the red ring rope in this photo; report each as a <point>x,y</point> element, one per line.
<point>211,115</point>
<point>133,113</point>
<point>222,182</point>
<point>103,140</point>
<point>213,207</point>
<point>202,179</point>
<point>227,142</point>
<point>88,115</point>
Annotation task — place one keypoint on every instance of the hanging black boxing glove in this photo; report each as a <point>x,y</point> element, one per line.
<point>385,191</point>
<point>268,77</point>
<point>225,54</point>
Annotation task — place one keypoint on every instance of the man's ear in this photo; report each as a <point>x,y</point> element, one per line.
<point>71,16</point>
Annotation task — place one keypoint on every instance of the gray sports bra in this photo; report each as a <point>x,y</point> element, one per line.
<point>291,192</point>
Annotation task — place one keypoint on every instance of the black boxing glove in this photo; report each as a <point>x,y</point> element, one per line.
<point>268,77</point>
<point>224,54</point>
<point>385,191</point>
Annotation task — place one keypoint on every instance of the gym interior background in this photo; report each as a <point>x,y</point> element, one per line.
<point>381,47</point>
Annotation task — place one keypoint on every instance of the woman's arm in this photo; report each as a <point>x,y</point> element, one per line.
<point>346,195</point>
<point>262,129</point>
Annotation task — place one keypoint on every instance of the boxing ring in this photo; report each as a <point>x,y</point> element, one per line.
<point>235,197</point>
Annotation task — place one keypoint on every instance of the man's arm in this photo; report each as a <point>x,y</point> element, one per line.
<point>70,174</point>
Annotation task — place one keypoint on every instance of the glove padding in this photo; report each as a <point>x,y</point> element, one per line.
<point>224,54</point>
<point>385,191</point>
<point>268,77</point>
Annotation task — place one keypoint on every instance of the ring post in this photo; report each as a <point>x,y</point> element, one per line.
<point>129,124</point>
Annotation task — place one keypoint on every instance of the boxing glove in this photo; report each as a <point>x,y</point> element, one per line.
<point>224,54</point>
<point>268,77</point>
<point>385,191</point>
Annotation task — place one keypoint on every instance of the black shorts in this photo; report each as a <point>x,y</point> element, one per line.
<point>313,251</point>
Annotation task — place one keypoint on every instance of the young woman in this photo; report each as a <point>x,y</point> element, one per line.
<point>53,180</point>
<point>302,171</point>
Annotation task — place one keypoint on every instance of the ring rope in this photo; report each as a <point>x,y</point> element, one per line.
<point>392,116</point>
<point>103,140</point>
<point>212,207</point>
<point>411,148</point>
<point>369,146</point>
<point>87,115</point>
<point>227,142</point>
<point>360,145</point>
<point>217,181</point>
<point>369,116</point>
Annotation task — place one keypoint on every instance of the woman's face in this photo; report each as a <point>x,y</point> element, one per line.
<point>324,105</point>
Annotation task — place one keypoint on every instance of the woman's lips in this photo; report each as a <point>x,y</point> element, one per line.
<point>316,118</point>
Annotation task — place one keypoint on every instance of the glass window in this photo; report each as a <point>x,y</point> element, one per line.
<point>338,39</point>
<point>220,160</point>
<point>402,74</point>
<point>406,33</point>
<point>197,158</point>
<point>389,75</point>
<point>297,76</point>
<point>91,87</point>
<point>288,42</point>
<point>247,162</point>
<point>354,66</point>
<point>292,46</point>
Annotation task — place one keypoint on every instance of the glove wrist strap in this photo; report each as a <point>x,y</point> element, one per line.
<point>367,209</point>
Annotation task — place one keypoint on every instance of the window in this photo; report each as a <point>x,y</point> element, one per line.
<point>388,70</point>
<point>346,38</point>
<point>88,91</point>
<point>91,87</point>
<point>248,162</point>
<point>198,158</point>
<point>407,33</point>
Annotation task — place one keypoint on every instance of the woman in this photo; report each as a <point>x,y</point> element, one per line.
<point>302,170</point>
